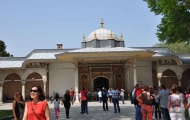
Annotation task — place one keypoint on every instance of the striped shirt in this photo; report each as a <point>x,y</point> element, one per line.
<point>115,93</point>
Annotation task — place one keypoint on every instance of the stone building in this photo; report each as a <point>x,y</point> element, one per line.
<point>103,61</point>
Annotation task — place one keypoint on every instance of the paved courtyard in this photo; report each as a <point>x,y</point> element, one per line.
<point>95,111</point>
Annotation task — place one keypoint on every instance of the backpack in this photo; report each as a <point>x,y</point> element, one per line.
<point>135,101</point>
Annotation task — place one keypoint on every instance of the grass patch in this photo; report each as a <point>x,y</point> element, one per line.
<point>5,113</point>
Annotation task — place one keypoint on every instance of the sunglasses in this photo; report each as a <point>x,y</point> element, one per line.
<point>33,90</point>
<point>18,94</point>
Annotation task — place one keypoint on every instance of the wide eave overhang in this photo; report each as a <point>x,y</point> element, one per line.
<point>102,56</point>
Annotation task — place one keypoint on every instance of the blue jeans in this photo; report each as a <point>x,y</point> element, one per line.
<point>122,98</point>
<point>100,99</point>
<point>165,113</point>
<point>84,106</point>
<point>138,115</point>
<point>116,103</point>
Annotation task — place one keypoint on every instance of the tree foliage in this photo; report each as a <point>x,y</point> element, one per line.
<point>175,23</point>
<point>3,52</point>
<point>177,48</point>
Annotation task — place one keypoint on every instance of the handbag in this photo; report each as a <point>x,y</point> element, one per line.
<point>34,112</point>
<point>63,99</point>
<point>21,111</point>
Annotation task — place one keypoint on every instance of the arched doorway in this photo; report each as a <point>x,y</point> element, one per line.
<point>101,82</point>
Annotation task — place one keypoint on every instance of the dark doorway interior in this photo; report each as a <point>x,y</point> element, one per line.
<point>101,82</point>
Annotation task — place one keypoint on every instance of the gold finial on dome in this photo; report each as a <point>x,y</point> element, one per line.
<point>111,35</point>
<point>95,35</point>
<point>102,23</point>
<point>121,37</point>
<point>84,38</point>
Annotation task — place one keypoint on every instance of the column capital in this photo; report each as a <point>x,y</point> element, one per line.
<point>1,83</point>
<point>159,78</point>
<point>23,82</point>
<point>179,78</point>
<point>134,66</point>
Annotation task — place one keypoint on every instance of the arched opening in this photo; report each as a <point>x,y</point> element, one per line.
<point>11,85</point>
<point>101,82</point>
<point>31,80</point>
<point>169,78</point>
<point>185,80</point>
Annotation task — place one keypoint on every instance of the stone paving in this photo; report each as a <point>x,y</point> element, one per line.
<point>95,111</point>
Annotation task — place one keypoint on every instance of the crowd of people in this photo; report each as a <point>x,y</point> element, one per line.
<point>169,103</point>
<point>162,102</point>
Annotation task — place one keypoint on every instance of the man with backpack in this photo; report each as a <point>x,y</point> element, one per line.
<point>137,91</point>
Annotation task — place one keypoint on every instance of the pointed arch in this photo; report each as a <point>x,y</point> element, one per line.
<point>185,80</point>
<point>169,77</point>
<point>34,75</point>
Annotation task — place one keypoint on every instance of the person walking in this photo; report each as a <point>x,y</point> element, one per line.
<point>110,95</point>
<point>53,97</point>
<point>122,95</point>
<point>72,94</point>
<point>146,106</point>
<point>182,99</point>
<point>163,97</point>
<point>18,106</point>
<point>56,105</point>
<point>84,101</point>
<point>174,104</point>
<point>67,102</point>
<point>37,108</point>
<point>100,96</point>
<point>105,98</point>
<point>115,99</point>
<point>89,96</point>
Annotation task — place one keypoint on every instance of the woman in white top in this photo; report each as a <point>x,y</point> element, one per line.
<point>182,98</point>
<point>56,105</point>
<point>174,104</point>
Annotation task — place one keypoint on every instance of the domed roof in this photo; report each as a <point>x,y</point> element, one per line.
<point>102,34</point>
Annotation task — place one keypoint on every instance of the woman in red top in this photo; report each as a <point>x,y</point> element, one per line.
<point>84,100</point>
<point>37,108</point>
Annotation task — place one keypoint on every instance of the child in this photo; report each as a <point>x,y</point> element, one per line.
<point>56,105</point>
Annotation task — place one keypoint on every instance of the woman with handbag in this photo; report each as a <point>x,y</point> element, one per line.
<point>18,106</point>
<point>37,108</point>
<point>67,102</point>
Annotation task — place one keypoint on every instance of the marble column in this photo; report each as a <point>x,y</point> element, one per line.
<point>159,81</point>
<point>45,82</point>
<point>134,72</point>
<point>76,84</point>
<point>23,88</point>
<point>1,91</point>
<point>128,79</point>
<point>179,81</point>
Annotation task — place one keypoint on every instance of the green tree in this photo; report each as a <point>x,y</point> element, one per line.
<point>177,48</point>
<point>3,52</point>
<point>175,23</point>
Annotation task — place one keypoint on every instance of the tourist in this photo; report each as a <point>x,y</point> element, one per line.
<point>137,91</point>
<point>122,95</point>
<point>174,104</point>
<point>110,95</point>
<point>182,99</point>
<point>146,100</point>
<point>18,106</point>
<point>105,98</point>
<point>37,108</point>
<point>72,94</point>
<point>89,96</point>
<point>56,105</point>
<point>67,102</point>
<point>115,99</point>
<point>163,98</point>
<point>157,105</point>
<point>84,101</point>
<point>130,96</point>
<point>100,96</point>
<point>53,97</point>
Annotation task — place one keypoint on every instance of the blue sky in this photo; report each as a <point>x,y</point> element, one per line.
<point>26,25</point>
